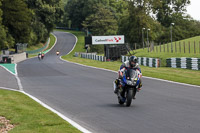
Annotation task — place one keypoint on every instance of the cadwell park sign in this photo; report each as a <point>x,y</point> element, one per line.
<point>114,45</point>
<point>118,39</point>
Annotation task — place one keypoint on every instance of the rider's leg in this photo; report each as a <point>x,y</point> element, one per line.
<point>134,93</point>
<point>140,85</point>
<point>117,82</point>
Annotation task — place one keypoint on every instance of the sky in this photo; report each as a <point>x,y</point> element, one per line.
<point>194,9</point>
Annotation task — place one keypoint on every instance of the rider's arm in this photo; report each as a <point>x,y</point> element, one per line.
<point>139,69</point>
<point>123,67</point>
<point>121,70</point>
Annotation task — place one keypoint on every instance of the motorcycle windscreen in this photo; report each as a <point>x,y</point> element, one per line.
<point>131,73</point>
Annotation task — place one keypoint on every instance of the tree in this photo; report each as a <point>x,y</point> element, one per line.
<point>167,8</point>
<point>78,10</point>
<point>102,22</point>
<point>17,18</point>
<point>45,14</point>
<point>3,32</point>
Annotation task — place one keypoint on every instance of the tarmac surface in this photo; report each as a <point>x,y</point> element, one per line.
<point>7,79</point>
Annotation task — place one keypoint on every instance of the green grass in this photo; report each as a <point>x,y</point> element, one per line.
<point>172,74</point>
<point>30,117</point>
<point>164,55</point>
<point>52,41</point>
<point>35,47</point>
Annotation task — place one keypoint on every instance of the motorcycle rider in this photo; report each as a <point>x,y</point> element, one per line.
<point>131,63</point>
<point>42,55</point>
<point>39,56</point>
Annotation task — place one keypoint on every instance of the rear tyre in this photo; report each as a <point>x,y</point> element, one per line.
<point>129,95</point>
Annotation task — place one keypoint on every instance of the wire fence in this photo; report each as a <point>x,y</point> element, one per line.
<point>190,47</point>
<point>39,50</point>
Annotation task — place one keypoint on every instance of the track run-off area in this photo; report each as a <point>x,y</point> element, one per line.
<point>85,95</point>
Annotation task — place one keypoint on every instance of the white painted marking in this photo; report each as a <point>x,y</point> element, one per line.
<point>11,89</point>
<point>18,80</point>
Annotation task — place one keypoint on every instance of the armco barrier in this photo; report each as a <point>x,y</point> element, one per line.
<point>187,63</point>
<point>39,50</point>
<point>151,62</point>
<point>93,56</point>
<point>76,54</point>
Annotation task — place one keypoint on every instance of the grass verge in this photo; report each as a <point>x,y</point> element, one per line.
<point>52,41</point>
<point>172,74</point>
<point>30,117</point>
<point>159,53</point>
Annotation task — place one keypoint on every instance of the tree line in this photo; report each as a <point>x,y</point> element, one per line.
<point>27,21</point>
<point>129,17</point>
<point>31,21</point>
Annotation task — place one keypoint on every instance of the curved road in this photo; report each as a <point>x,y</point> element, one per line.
<point>86,96</point>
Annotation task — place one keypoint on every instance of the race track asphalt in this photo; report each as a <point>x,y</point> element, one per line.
<point>86,96</point>
<point>7,79</point>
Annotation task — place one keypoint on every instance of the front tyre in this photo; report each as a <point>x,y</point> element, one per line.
<point>129,96</point>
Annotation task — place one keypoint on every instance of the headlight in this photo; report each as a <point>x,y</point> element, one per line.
<point>129,82</point>
<point>134,79</point>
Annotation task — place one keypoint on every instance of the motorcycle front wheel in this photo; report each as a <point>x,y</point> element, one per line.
<point>129,95</point>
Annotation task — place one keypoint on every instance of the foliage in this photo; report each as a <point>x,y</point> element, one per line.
<point>27,21</point>
<point>18,19</point>
<point>46,13</point>
<point>101,22</point>
<point>134,15</point>
<point>5,38</point>
<point>31,21</point>
<point>78,10</point>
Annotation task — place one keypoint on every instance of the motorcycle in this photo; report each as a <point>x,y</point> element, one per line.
<point>128,86</point>
<point>57,53</point>
<point>39,56</point>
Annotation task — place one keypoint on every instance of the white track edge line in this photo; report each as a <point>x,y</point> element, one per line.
<point>18,80</point>
<point>11,89</point>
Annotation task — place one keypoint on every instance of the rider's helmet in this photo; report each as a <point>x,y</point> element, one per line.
<point>132,61</point>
